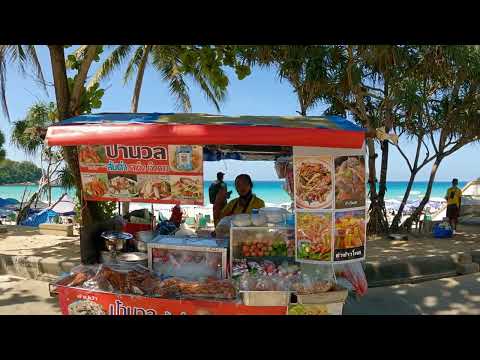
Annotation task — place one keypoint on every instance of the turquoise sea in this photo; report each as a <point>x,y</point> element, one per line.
<point>269,191</point>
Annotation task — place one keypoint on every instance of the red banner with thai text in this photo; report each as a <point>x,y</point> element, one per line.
<point>142,173</point>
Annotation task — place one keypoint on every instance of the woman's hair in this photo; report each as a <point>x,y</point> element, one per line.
<point>246,178</point>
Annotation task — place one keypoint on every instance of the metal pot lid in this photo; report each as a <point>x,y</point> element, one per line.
<point>114,235</point>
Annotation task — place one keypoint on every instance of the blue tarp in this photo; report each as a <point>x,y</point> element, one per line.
<point>324,122</point>
<point>6,202</point>
<point>44,216</point>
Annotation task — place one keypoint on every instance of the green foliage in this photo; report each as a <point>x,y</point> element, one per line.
<point>91,98</point>
<point>204,64</point>
<point>26,134</point>
<point>12,172</point>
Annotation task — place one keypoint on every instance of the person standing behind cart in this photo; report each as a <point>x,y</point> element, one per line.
<point>454,201</point>
<point>245,203</point>
<point>213,191</point>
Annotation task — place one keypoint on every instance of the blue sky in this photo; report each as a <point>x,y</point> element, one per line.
<point>262,93</point>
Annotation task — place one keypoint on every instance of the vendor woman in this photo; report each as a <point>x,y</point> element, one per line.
<point>244,204</point>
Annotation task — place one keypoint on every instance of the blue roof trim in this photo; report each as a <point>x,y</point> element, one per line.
<point>114,118</point>
<point>335,122</point>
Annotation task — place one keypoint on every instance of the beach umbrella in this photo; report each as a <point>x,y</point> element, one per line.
<point>64,207</point>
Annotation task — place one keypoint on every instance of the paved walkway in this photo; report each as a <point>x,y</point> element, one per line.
<point>449,296</point>
<point>466,240</point>
<point>20,296</point>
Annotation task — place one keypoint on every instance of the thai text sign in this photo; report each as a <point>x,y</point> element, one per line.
<point>142,173</point>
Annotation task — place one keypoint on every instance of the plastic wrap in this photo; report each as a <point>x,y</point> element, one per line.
<point>312,285</point>
<point>354,274</point>
<point>222,229</point>
<point>78,275</point>
<point>210,288</point>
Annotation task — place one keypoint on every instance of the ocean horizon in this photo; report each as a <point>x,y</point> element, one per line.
<point>269,191</point>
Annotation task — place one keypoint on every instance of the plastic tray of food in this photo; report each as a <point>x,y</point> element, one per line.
<point>265,298</point>
<point>329,297</point>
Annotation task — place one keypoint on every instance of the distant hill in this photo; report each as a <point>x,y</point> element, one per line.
<point>18,172</point>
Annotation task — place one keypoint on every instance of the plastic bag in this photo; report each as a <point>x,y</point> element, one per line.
<point>222,229</point>
<point>78,275</point>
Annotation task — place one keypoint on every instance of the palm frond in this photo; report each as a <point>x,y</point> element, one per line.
<point>133,63</point>
<point>168,68</point>
<point>114,60</point>
<point>3,81</point>
<point>20,56</point>
<point>32,54</point>
<point>211,91</point>
<point>67,180</point>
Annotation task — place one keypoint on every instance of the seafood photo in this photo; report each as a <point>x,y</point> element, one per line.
<point>349,230</point>
<point>349,181</point>
<point>187,188</point>
<point>313,183</point>
<point>123,186</point>
<point>91,154</point>
<point>96,187</point>
<point>155,189</point>
<point>314,236</point>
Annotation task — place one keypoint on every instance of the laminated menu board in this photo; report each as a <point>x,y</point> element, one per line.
<point>142,173</point>
<point>329,204</point>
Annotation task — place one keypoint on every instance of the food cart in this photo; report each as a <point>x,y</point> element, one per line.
<point>274,256</point>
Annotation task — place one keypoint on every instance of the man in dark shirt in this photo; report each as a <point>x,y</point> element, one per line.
<point>213,190</point>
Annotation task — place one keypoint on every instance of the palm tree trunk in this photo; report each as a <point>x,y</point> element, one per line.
<point>382,186</point>
<point>398,216</point>
<point>139,80</point>
<point>408,223</point>
<point>135,100</point>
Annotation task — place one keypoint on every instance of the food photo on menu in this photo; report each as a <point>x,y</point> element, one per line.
<point>124,185</point>
<point>188,188</point>
<point>349,235</point>
<point>89,155</point>
<point>313,182</point>
<point>314,236</point>
<point>349,182</point>
<point>95,185</point>
<point>154,187</point>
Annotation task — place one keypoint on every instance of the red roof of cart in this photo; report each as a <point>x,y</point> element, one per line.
<point>204,129</point>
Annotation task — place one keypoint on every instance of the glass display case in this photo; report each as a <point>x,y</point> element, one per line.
<point>188,258</point>
<point>262,242</point>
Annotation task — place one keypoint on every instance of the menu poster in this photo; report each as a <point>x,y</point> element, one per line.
<point>313,179</point>
<point>313,236</point>
<point>350,234</point>
<point>349,182</point>
<point>142,173</point>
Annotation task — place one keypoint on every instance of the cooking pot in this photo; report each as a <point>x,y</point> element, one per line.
<point>116,240</point>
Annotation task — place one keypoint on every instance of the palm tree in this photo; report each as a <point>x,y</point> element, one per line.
<point>304,67</point>
<point>165,59</point>
<point>26,136</point>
